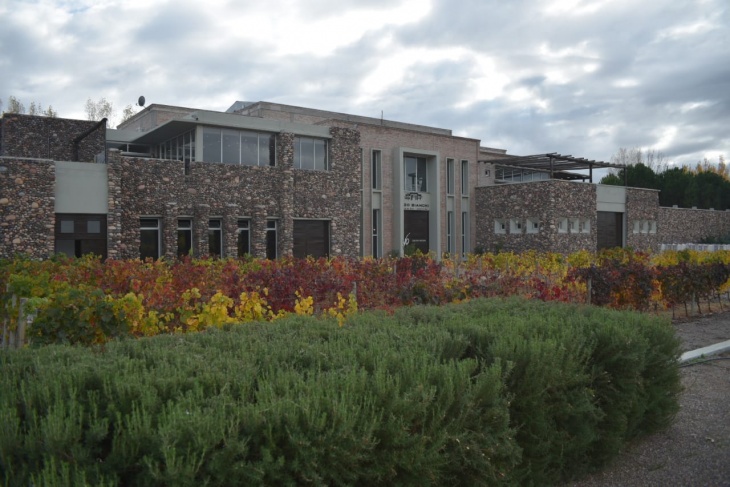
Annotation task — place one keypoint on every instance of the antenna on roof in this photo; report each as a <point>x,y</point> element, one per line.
<point>140,101</point>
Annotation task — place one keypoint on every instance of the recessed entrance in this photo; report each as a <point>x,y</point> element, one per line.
<point>415,227</point>
<point>610,229</point>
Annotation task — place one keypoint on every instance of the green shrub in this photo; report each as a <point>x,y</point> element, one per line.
<point>485,393</point>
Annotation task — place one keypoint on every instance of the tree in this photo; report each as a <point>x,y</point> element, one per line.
<point>15,106</point>
<point>97,110</point>
<point>127,113</point>
<point>50,112</point>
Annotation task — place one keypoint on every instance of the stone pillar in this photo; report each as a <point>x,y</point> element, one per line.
<point>258,232</point>
<point>114,211</point>
<point>200,229</point>
<point>230,230</point>
<point>285,150</point>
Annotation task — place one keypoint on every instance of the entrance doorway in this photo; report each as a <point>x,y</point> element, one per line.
<point>610,229</point>
<point>415,228</point>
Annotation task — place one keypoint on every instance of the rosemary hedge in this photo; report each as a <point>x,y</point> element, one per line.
<point>490,392</point>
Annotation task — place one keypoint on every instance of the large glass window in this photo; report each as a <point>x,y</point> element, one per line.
<point>376,169</point>
<point>184,237</point>
<point>211,145</point>
<point>449,176</point>
<point>149,238</point>
<point>415,177</point>
<point>239,147</point>
<point>244,237</point>
<point>231,149</point>
<point>310,154</point>
<point>215,238</point>
<point>271,239</point>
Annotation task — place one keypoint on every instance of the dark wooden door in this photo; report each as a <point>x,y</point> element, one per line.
<point>415,227</point>
<point>610,229</point>
<point>311,237</point>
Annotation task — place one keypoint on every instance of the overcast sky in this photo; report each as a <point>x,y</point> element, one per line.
<point>580,77</point>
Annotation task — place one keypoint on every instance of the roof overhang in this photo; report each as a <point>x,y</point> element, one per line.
<point>558,165</point>
<point>173,128</point>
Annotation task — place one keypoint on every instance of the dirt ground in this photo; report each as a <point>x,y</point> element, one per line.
<point>695,450</point>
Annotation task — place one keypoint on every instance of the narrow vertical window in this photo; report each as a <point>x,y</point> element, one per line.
<point>215,238</point>
<point>184,237</point>
<point>464,233</point>
<point>271,239</point>
<point>465,178</point>
<point>376,234</point>
<point>449,176</point>
<point>375,171</point>
<point>149,238</point>
<point>450,232</point>
<point>244,237</point>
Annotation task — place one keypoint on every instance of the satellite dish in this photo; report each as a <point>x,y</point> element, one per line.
<point>140,102</point>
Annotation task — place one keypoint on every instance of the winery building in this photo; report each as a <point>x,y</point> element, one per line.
<point>271,180</point>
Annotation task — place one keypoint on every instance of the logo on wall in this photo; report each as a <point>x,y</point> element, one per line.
<point>417,201</point>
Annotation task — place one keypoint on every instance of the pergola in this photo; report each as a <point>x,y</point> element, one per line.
<point>557,165</point>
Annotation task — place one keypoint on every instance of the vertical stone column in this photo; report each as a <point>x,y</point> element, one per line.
<point>200,229</point>
<point>258,232</point>
<point>230,230</point>
<point>169,231</point>
<point>114,211</point>
<point>285,151</point>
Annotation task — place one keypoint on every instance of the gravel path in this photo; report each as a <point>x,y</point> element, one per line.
<point>695,450</point>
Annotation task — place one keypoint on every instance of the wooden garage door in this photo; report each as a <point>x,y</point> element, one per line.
<point>311,237</point>
<point>610,229</point>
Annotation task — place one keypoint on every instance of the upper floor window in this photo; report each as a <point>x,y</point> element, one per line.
<point>449,176</point>
<point>239,147</point>
<point>180,148</point>
<point>376,170</point>
<point>465,177</point>
<point>310,154</point>
<point>415,174</point>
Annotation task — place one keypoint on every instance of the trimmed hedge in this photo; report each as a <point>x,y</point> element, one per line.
<point>490,392</point>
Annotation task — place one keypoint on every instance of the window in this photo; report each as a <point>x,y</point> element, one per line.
<point>500,226</point>
<point>465,178</point>
<point>562,225</point>
<point>533,225</point>
<point>449,176</point>
<point>184,237</point>
<point>574,225</point>
<point>239,147</point>
<point>211,144</point>
<point>271,239</point>
<point>67,226</point>
<point>376,169</point>
<point>244,237</point>
<point>415,177</point>
<point>215,238</point>
<point>310,154</point>
<point>585,225</point>
<point>464,232</point>
<point>376,234</point>
<point>652,226</point>
<point>180,148</point>
<point>450,232</point>
<point>149,238</point>
<point>515,226</point>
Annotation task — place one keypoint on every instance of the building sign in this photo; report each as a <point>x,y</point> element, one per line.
<point>417,201</point>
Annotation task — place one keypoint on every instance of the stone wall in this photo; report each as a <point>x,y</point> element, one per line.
<point>685,225</point>
<point>26,207</point>
<point>642,217</point>
<point>141,187</point>
<point>547,202</point>
<point>49,138</point>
